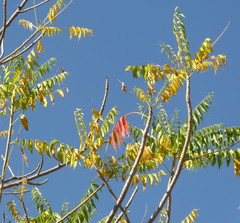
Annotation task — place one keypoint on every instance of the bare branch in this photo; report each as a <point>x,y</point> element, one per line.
<point>23,176</point>
<point>181,159</point>
<point>133,170</point>
<point>15,53</point>
<point>102,107</point>
<point>5,161</point>
<point>169,205</point>
<point>24,209</point>
<point>81,204</point>
<point>34,7</point>
<point>104,97</point>
<point>9,168</point>
<point>14,15</point>
<point>112,193</point>
<point>38,184</point>
<point>36,176</point>
<point>128,204</point>
<point>221,33</point>
<point>4,27</point>
<point>16,192</point>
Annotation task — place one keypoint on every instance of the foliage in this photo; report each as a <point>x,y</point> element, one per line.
<point>162,148</point>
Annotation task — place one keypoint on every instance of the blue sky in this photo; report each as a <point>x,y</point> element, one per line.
<point>129,32</point>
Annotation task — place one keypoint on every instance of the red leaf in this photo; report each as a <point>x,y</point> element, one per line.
<point>118,133</point>
<point>125,124</point>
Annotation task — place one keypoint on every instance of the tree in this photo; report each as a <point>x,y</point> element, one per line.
<point>162,147</point>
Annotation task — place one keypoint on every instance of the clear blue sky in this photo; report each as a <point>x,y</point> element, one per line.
<point>128,32</point>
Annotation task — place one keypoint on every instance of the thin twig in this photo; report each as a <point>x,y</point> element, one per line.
<point>9,168</point>
<point>14,15</point>
<point>14,54</point>
<point>169,205</point>
<point>81,204</point>
<point>181,159</point>
<point>4,27</point>
<point>22,176</point>
<point>105,96</point>
<point>221,33</point>
<point>34,7</point>
<point>128,204</point>
<point>84,149</point>
<point>112,193</point>
<point>133,170</point>
<point>5,161</point>
<point>16,192</point>
<point>38,184</point>
<point>24,208</point>
<point>36,176</point>
<point>145,213</point>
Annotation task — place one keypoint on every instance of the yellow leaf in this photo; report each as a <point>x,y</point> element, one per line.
<point>51,96</point>
<point>24,121</point>
<point>237,167</point>
<point>34,54</point>
<point>29,74</point>
<point>127,68</point>
<point>97,114</point>
<point>60,92</point>
<point>39,47</point>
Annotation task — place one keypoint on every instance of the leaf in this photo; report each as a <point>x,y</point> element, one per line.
<point>191,217</point>
<point>118,133</point>
<point>124,88</point>
<point>60,92</point>
<point>26,24</point>
<point>39,47</point>
<point>237,167</point>
<point>79,32</point>
<point>97,114</point>
<point>24,121</point>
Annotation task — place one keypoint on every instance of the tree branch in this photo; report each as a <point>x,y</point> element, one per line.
<point>221,34</point>
<point>128,204</point>
<point>5,161</point>
<point>81,204</point>
<point>36,176</point>
<point>133,170</point>
<point>14,15</point>
<point>181,159</point>
<point>105,96</point>
<point>112,193</point>
<point>23,176</point>
<point>4,27</point>
<point>34,7</point>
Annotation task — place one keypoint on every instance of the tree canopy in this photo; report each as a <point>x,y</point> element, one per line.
<point>121,152</point>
